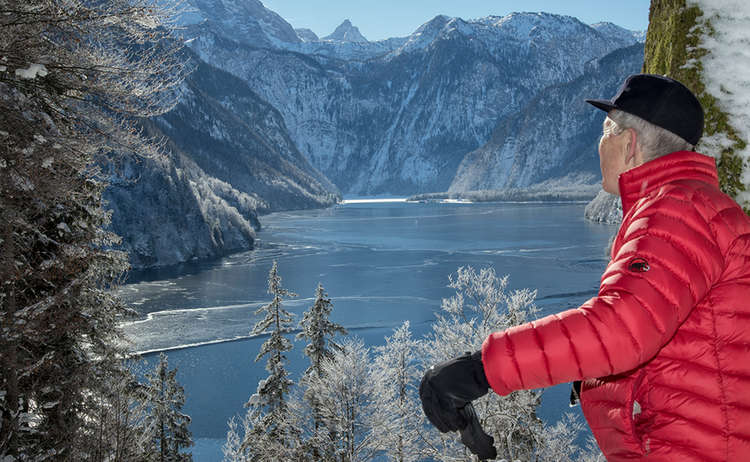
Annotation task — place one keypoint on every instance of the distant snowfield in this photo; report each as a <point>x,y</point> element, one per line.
<point>398,199</point>
<point>374,200</point>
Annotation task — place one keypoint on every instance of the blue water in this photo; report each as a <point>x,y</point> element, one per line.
<point>381,263</point>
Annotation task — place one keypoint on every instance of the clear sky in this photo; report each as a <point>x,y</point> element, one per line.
<point>380,19</point>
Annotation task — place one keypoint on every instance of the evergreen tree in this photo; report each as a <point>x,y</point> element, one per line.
<point>165,426</point>
<point>69,83</point>
<point>319,331</point>
<point>270,436</point>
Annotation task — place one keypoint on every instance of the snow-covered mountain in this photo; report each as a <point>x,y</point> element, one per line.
<point>399,116</point>
<point>346,32</point>
<point>229,158</point>
<point>555,135</point>
<point>306,35</point>
<point>273,117</point>
<point>613,30</point>
<point>245,21</point>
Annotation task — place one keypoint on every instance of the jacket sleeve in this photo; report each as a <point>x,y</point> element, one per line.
<point>664,262</point>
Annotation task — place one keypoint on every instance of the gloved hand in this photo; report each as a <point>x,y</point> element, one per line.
<point>474,438</point>
<point>448,387</point>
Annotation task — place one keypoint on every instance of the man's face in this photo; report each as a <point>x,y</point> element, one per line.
<point>613,150</point>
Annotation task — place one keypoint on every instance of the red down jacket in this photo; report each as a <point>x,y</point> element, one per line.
<point>664,349</point>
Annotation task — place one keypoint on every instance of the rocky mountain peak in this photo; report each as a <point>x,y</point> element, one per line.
<point>307,35</point>
<point>613,30</point>
<point>346,32</point>
<point>243,21</point>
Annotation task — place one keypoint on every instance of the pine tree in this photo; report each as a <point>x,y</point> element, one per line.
<point>270,435</point>
<point>69,83</point>
<point>319,331</point>
<point>165,426</point>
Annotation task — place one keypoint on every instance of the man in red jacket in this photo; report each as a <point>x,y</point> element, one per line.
<point>664,349</point>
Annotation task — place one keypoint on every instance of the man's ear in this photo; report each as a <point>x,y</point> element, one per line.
<point>633,156</point>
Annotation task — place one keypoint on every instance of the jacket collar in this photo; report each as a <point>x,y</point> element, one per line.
<point>640,181</point>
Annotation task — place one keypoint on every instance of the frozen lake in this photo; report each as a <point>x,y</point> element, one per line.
<point>381,263</point>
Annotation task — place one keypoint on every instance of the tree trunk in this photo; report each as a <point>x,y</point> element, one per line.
<point>672,42</point>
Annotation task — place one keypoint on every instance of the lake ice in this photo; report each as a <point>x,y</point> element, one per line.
<point>381,263</point>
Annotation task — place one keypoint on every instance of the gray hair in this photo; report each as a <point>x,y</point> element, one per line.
<point>653,141</point>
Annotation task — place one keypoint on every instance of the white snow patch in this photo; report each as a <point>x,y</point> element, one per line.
<point>726,69</point>
<point>34,70</point>
<point>47,163</point>
<point>373,201</point>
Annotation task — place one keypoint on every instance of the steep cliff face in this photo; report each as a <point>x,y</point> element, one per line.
<point>238,138</point>
<point>398,116</point>
<point>553,136</point>
<point>228,158</point>
<point>168,211</point>
<point>246,21</point>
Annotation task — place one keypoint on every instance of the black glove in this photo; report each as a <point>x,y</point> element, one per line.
<point>474,438</point>
<point>448,387</point>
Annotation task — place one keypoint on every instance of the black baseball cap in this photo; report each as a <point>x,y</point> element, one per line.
<point>660,100</point>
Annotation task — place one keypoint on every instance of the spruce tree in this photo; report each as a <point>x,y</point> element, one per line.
<point>269,434</point>
<point>165,426</point>
<point>319,331</point>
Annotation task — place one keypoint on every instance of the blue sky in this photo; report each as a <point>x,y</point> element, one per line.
<point>379,19</point>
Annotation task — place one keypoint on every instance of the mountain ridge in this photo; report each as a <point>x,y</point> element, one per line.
<point>398,121</point>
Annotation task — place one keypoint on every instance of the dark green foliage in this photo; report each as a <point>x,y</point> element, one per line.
<point>165,426</point>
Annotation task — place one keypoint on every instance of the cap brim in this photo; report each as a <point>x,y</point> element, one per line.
<point>603,104</point>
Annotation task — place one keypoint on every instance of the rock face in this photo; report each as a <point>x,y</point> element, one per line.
<point>229,157</point>
<point>236,137</point>
<point>248,21</point>
<point>554,136</point>
<point>168,211</point>
<point>604,208</point>
<point>346,32</point>
<point>399,116</point>
<point>306,35</point>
